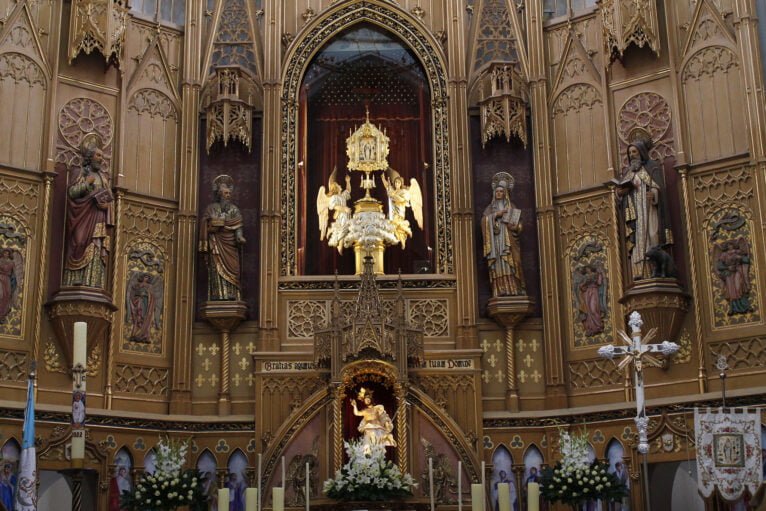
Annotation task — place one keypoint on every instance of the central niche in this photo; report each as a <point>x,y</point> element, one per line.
<point>363,68</point>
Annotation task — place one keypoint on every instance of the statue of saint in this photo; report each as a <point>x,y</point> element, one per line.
<point>401,197</point>
<point>220,239</point>
<point>589,282</point>
<point>337,202</point>
<point>501,227</point>
<point>642,195</point>
<point>89,213</point>
<point>376,426</point>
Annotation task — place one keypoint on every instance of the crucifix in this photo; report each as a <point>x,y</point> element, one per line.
<point>638,352</point>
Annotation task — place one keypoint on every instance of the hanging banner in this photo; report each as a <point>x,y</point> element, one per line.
<point>728,452</point>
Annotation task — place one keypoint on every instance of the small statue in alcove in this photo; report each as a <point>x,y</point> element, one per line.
<point>501,228</point>
<point>641,190</point>
<point>221,241</point>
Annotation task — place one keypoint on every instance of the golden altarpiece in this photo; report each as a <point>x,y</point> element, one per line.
<point>174,173</point>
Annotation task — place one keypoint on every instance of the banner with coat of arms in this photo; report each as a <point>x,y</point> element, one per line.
<point>728,452</point>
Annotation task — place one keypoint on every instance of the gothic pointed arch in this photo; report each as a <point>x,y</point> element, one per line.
<point>298,57</point>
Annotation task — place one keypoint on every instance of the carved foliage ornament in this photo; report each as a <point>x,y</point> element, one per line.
<point>98,25</point>
<point>627,22</point>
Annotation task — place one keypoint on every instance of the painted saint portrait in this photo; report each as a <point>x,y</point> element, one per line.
<point>502,472</point>
<point>78,409</point>
<point>121,480</point>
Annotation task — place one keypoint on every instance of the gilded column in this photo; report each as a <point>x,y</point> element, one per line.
<point>117,290</point>
<point>462,184</point>
<point>43,275</point>
<point>270,172</point>
<point>186,223</point>
<point>546,221</point>
<point>746,25</point>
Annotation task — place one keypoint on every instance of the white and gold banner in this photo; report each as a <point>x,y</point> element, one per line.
<point>728,452</point>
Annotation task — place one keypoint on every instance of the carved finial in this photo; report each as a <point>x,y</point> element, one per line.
<point>635,322</point>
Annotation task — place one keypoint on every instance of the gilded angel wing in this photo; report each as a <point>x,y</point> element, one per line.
<point>416,201</point>
<point>323,210</point>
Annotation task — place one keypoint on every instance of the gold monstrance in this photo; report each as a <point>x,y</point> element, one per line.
<point>368,229</point>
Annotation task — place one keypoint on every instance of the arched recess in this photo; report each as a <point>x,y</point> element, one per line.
<point>533,462</point>
<point>208,468</point>
<point>150,461</point>
<point>502,472</point>
<point>299,55</point>
<point>11,450</point>
<point>308,430</point>
<point>236,477</point>
<point>718,128</point>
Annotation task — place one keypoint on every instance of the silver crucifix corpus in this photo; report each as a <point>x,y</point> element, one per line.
<point>637,352</point>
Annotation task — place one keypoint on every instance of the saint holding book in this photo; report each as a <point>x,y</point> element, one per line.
<point>501,228</point>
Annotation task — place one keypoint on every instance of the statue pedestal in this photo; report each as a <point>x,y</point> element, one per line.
<point>662,304</point>
<point>79,304</point>
<point>508,311</point>
<point>225,316</point>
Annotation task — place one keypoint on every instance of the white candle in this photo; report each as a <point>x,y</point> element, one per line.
<point>223,499</point>
<point>459,486</point>
<point>477,497</point>
<point>258,486</point>
<point>251,499</point>
<point>533,497</point>
<point>308,479</point>
<point>283,474</point>
<point>504,497</point>
<point>80,347</point>
<point>78,444</point>
<point>277,498</point>
<point>431,481</point>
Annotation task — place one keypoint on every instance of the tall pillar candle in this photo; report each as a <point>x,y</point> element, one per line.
<point>533,497</point>
<point>504,497</point>
<point>80,343</point>
<point>223,499</point>
<point>277,499</point>
<point>477,497</point>
<point>483,482</point>
<point>283,473</point>
<point>251,499</point>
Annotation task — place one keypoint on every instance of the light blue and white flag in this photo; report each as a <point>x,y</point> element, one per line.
<point>26,491</point>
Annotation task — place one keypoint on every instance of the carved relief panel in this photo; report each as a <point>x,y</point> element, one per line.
<point>13,259</point>
<point>589,286</point>
<point>710,68</point>
<point>24,74</point>
<point>142,325</point>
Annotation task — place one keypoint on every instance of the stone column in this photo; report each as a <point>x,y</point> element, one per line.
<point>186,222</point>
<point>550,290</point>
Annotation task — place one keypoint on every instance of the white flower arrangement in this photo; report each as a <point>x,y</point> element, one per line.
<point>575,480</point>
<point>169,487</point>
<point>368,476</point>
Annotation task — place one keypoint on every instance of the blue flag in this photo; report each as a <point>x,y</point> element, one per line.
<point>26,491</point>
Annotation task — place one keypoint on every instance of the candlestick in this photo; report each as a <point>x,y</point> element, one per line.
<point>504,497</point>
<point>483,483</point>
<point>223,499</point>
<point>459,486</point>
<point>431,481</point>
<point>251,499</point>
<point>283,474</point>
<point>258,486</point>
<point>277,499</point>
<point>477,497</point>
<point>533,497</point>
<point>308,478</point>
<point>79,351</point>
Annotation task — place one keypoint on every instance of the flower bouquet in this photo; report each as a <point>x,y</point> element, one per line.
<point>575,480</point>
<point>368,476</point>
<point>169,487</point>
